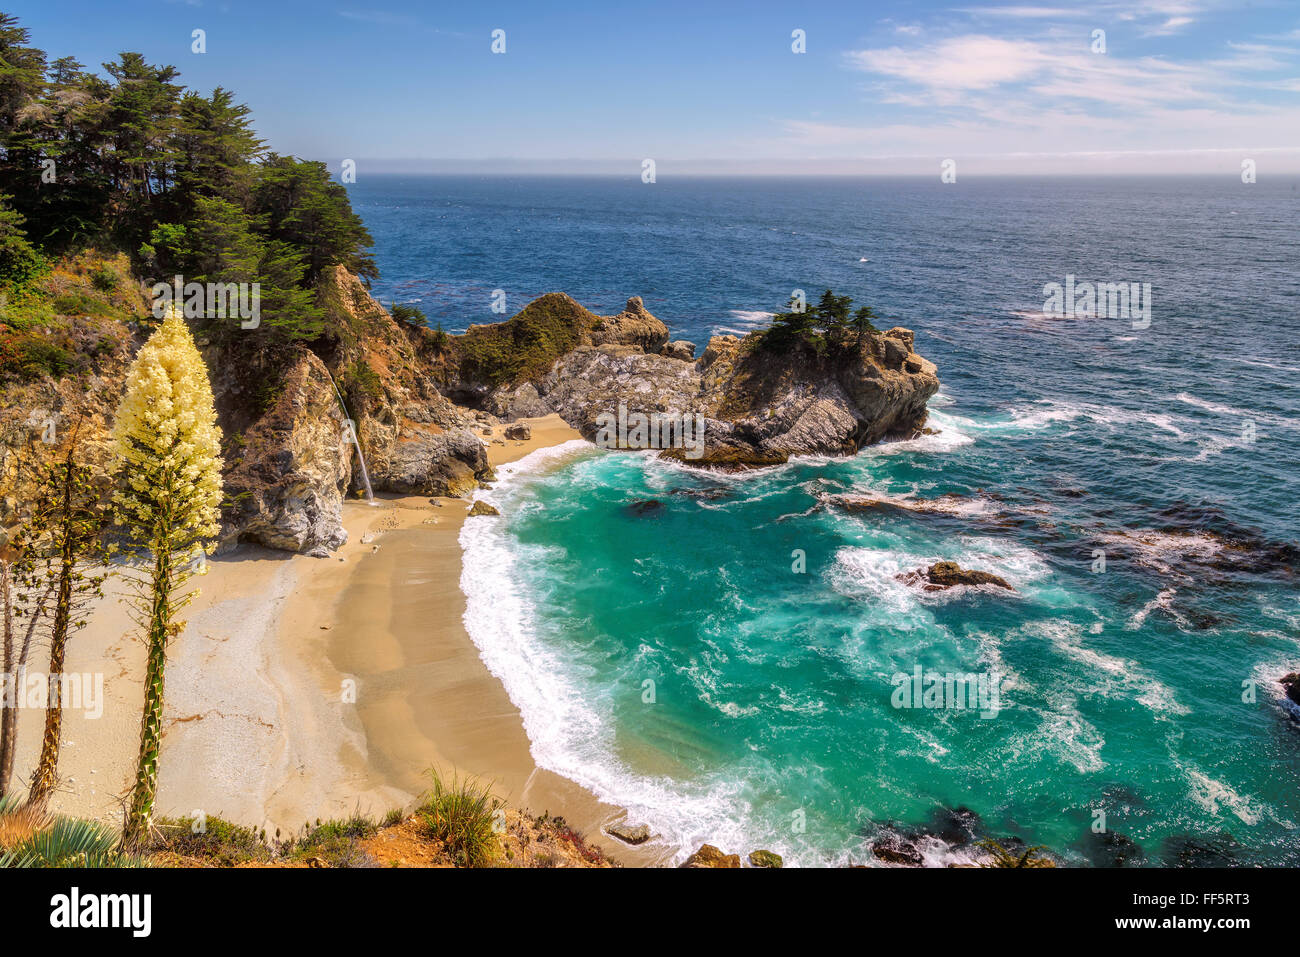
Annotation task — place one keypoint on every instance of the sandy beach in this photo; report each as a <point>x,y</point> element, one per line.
<point>306,688</point>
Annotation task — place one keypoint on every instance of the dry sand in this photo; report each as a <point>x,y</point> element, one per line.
<point>307,688</point>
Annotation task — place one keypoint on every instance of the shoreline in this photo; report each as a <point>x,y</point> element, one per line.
<point>306,688</point>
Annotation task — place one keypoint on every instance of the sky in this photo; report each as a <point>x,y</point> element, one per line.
<point>1180,86</point>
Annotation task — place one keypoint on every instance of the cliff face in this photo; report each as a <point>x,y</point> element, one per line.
<point>758,407</point>
<point>297,461</point>
<point>285,490</point>
<point>289,458</point>
<point>89,322</point>
<point>416,440</point>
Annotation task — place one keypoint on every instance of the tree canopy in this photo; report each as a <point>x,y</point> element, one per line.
<point>830,326</point>
<point>131,159</point>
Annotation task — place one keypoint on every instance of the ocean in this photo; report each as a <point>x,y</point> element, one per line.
<point>726,666</point>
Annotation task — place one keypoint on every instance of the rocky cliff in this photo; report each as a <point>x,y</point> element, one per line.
<point>289,458</point>
<point>297,460</point>
<point>414,398</point>
<point>758,406</point>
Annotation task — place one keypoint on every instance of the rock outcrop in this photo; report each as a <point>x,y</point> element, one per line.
<point>1291,685</point>
<point>756,406</point>
<point>416,441</point>
<point>286,490</point>
<point>944,575</point>
<point>710,856</point>
<point>417,399</point>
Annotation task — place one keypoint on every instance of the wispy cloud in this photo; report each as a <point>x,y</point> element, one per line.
<point>1025,12</point>
<point>1036,88</point>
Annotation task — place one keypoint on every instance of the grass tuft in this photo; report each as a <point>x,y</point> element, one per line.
<point>462,815</point>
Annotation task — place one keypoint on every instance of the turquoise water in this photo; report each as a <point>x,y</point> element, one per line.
<point>1170,449</point>
<point>772,688</point>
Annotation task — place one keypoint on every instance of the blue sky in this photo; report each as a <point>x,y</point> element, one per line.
<point>1183,85</point>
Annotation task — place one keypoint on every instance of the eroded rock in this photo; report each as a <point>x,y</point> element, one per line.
<point>944,575</point>
<point>710,856</point>
<point>629,833</point>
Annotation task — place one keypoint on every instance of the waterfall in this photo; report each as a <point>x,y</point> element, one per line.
<point>356,443</point>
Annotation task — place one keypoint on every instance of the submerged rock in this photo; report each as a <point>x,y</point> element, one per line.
<point>1187,851</point>
<point>650,506</point>
<point>944,575</point>
<point>1110,849</point>
<point>955,826</point>
<point>896,849</point>
<point>710,856</point>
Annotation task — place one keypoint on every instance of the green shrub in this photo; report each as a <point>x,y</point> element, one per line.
<point>408,314</point>
<point>525,346</point>
<point>462,815</point>
<point>219,841</point>
<point>361,381</point>
<point>336,842</point>
<point>103,278</point>
<point>81,304</point>
<point>25,357</point>
<point>20,261</point>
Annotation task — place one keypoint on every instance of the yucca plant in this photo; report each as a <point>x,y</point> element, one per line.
<point>29,837</point>
<point>462,815</point>
<point>169,491</point>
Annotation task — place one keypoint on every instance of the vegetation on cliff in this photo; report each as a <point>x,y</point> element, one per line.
<point>525,346</point>
<point>831,326</point>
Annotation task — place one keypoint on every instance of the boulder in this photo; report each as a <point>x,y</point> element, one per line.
<point>710,856</point>
<point>679,349</point>
<point>481,507</point>
<point>1291,685</point>
<point>519,430</point>
<point>895,849</point>
<point>895,352</point>
<point>765,859</point>
<point>429,461</point>
<point>634,326</point>
<point>629,834</point>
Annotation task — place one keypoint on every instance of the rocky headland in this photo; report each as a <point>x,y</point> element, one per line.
<point>419,401</point>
